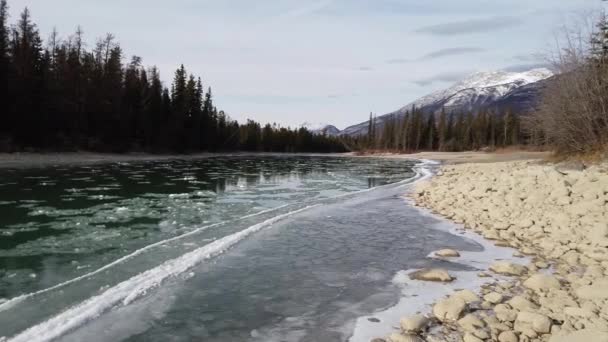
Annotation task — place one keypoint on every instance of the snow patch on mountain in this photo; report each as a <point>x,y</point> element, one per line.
<point>321,128</point>
<point>494,84</point>
<point>477,91</point>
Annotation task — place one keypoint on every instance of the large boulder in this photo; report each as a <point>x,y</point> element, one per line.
<point>585,335</point>
<point>467,295</point>
<point>469,337</point>
<point>508,336</point>
<point>526,321</point>
<point>504,313</point>
<point>598,235</point>
<point>541,281</point>
<point>508,268</point>
<point>471,323</point>
<point>395,337</point>
<point>449,309</point>
<point>596,291</point>
<point>435,274</point>
<point>414,324</point>
<point>520,303</point>
<point>493,297</point>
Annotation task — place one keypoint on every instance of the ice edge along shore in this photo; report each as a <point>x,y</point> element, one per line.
<point>557,217</point>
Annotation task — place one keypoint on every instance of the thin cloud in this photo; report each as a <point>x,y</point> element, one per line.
<point>438,54</point>
<point>470,26</point>
<point>365,68</point>
<point>451,52</point>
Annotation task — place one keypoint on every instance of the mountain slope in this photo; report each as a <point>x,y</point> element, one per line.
<point>485,90</point>
<point>321,128</point>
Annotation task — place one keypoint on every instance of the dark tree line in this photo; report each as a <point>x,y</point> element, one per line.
<point>57,95</point>
<point>451,132</point>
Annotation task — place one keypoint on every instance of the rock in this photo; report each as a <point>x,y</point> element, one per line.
<point>596,291</point>
<point>436,274</point>
<point>522,304</point>
<point>585,335</point>
<point>578,312</point>
<point>468,337</point>
<point>378,340</point>
<point>414,324</point>
<point>525,223</point>
<point>447,253</point>
<point>532,321</point>
<point>467,295</point>
<point>504,313</point>
<point>395,337</point>
<point>570,166</point>
<point>598,234</point>
<point>540,281</point>
<point>449,309</point>
<point>508,268</point>
<point>471,323</point>
<point>493,297</point>
<point>508,336</point>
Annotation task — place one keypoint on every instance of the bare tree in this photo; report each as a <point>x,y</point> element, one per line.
<point>573,114</point>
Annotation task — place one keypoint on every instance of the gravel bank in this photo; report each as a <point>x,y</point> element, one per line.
<point>559,218</point>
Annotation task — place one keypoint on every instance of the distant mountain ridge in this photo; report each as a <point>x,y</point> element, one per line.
<point>497,90</point>
<point>321,128</point>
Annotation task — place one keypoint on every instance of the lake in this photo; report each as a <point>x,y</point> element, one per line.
<point>246,248</point>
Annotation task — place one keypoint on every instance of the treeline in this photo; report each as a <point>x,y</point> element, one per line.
<point>450,132</point>
<point>60,96</point>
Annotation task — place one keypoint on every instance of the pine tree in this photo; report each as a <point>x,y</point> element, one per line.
<point>5,90</point>
<point>370,131</point>
<point>431,133</point>
<point>442,130</point>
<point>27,62</point>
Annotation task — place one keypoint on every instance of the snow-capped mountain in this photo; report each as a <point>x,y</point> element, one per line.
<point>493,90</point>
<point>321,128</point>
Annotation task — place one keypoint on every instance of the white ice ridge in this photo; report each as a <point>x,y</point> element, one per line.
<point>8,304</point>
<point>129,290</point>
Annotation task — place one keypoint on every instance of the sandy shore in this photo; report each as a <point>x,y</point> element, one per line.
<point>556,217</point>
<point>472,157</point>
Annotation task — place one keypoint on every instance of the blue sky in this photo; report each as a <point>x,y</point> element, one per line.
<point>335,61</point>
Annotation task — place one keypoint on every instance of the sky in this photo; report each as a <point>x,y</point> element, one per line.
<point>329,61</point>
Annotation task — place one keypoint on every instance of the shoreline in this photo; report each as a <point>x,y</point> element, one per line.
<point>450,158</point>
<point>418,296</point>
<point>557,218</point>
<point>27,159</point>
<point>30,159</point>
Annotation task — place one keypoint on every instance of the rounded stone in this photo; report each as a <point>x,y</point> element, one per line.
<point>414,324</point>
<point>436,274</point>
<point>449,309</point>
<point>447,253</point>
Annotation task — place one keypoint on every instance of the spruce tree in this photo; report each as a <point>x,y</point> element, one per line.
<point>5,90</point>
